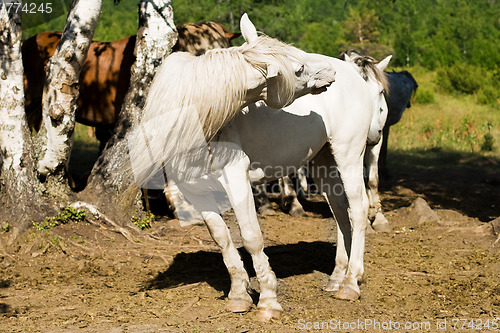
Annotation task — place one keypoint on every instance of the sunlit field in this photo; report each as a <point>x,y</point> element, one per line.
<point>440,121</point>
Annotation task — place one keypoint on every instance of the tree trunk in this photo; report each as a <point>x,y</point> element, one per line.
<point>20,197</point>
<point>155,39</point>
<point>61,90</point>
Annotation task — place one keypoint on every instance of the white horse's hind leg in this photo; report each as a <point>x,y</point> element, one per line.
<point>288,194</point>
<point>379,222</point>
<point>181,208</point>
<point>239,299</point>
<point>349,204</point>
<point>235,181</point>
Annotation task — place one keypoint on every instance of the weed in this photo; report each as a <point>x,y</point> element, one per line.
<point>488,139</point>
<point>424,96</point>
<point>145,222</point>
<point>6,227</point>
<point>79,239</point>
<point>68,214</point>
<point>56,242</point>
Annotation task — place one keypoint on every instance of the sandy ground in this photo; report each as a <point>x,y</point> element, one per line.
<point>441,276</point>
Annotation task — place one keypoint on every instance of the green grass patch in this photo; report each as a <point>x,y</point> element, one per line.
<point>144,222</point>
<point>62,217</point>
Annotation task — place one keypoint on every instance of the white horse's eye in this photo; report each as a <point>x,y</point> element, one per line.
<point>300,69</point>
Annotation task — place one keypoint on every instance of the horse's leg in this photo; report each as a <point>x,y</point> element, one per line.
<point>182,210</point>
<point>379,222</point>
<point>349,204</point>
<point>304,186</point>
<point>235,181</point>
<point>239,299</point>
<point>103,135</point>
<point>288,194</point>
<point>321,170</point>
<point>262,200</point>
<point>383,153</point>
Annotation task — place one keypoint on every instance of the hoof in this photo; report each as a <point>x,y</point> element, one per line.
<point>381,224</point>
<point>268,314</point>
<point>332,286</point>
<point>267,212</point>
<point>297,212</point>
<point>348,294</point>
<point>238,305</point>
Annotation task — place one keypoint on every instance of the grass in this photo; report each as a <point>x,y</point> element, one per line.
<point>446,122</point>
<point>62,217</point>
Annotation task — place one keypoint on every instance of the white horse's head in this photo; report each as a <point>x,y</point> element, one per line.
<point>374,75</point>
<point>282,72</point>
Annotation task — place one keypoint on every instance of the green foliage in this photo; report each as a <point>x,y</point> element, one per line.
<point>145,222</point>
<point>424,95</point>
<point>471,79</point>
<point>488,139</point>
<point>6,227</point>
<point>430,33</point>
<point>451,122</point>
<point>460,77</point>
<point>67,214</point>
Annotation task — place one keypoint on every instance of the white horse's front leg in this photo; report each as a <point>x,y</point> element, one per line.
<point>236,182</point>
<point>333,190</point>
<point>379,222</point>
<point>239,299</point>
<point>349,204</point>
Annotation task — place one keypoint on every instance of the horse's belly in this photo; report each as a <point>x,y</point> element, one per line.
<point>277,142</point>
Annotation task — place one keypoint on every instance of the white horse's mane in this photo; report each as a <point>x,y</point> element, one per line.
<point>368,67</point>
<point>192,98</point>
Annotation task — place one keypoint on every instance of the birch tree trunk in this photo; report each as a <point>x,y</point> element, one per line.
<point>61,90</point>
<point>20,197</point>
<point>155,39</point>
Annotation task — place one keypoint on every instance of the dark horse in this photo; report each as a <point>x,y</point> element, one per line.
<point>105,75</point>
<point>402,85</point>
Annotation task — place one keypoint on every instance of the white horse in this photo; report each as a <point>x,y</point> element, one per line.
<point>288,196</point>
<point>192,98</point>
<point>330,131</point>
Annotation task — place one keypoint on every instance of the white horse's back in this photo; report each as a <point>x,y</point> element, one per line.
<point>280,141</point>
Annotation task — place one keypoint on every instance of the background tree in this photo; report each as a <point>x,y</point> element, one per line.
<point>60,94</point>
<point>107,182</point>
<point>19,190</point>
<point>24,190</point>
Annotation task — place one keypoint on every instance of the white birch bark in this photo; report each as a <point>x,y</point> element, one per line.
<point>155,39</point>
<point>61,90</point>
<point>18,184</point>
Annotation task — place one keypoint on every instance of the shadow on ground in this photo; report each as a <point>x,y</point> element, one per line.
<point>286,260</point>
<point>466,182</point>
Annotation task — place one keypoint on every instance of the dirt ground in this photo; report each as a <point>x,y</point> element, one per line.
<point>436,277</point>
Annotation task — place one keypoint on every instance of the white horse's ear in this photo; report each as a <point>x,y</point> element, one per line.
<point>348,59</point>
<point>272,71</point>
<point>247,29</point>
<point>383,64</point>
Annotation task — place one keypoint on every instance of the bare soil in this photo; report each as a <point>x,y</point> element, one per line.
<point>79,277</point>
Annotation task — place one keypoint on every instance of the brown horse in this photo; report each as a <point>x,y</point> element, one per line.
<point>105,75</point>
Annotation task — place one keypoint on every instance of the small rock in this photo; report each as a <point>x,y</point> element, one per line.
<point>423,212</point>
<point>495,225</point>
